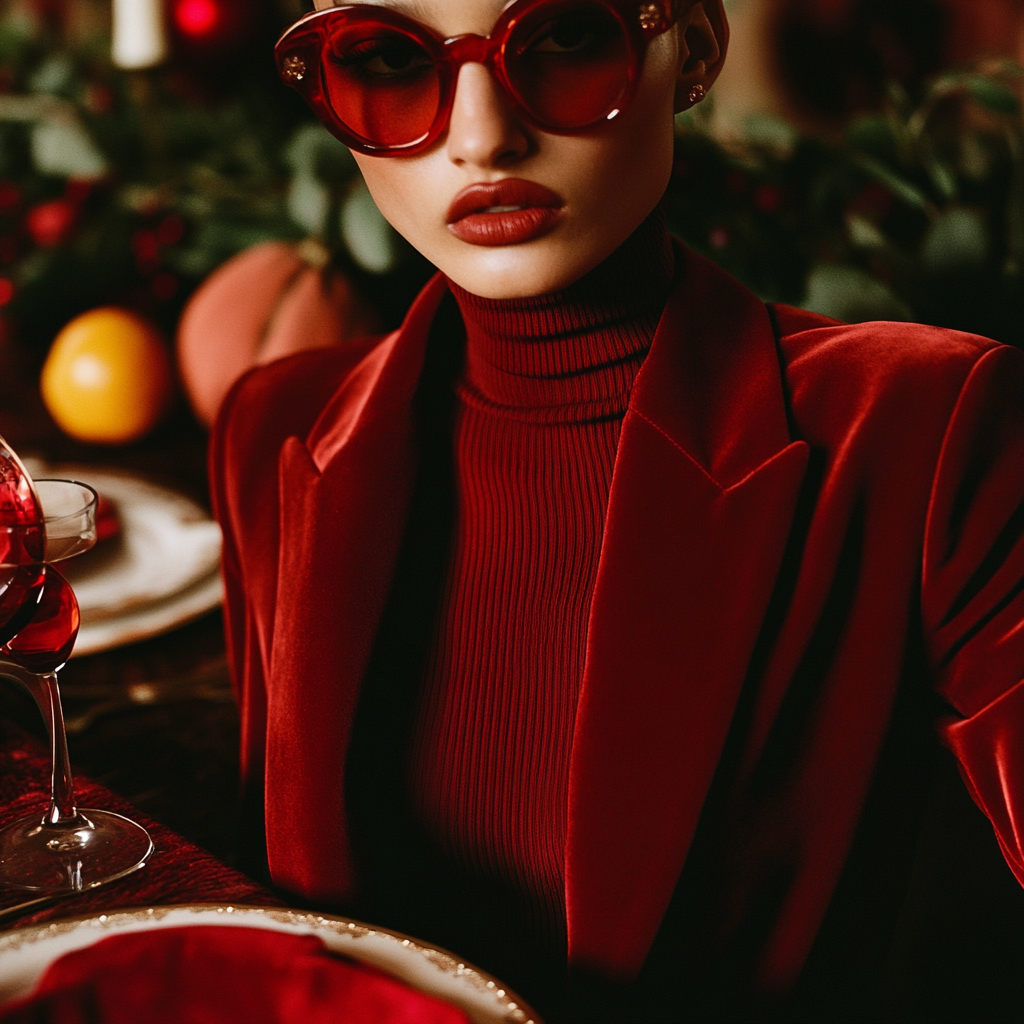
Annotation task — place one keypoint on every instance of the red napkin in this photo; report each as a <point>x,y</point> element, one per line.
<point>220,975</point>
<point>108,522</point>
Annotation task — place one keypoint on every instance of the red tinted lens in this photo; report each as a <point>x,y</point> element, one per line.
<point>569,63</point>
<point>381,83</point>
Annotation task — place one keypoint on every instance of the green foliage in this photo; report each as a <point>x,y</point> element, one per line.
<point>917,213</point>
<point>159,176</point>
<point>131,187</point>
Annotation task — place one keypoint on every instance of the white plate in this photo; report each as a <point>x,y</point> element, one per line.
<point>160,573</point>
<point>26,953</point>
<point>150,620</point>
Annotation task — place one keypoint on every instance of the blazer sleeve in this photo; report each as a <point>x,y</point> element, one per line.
<point>972,596</point>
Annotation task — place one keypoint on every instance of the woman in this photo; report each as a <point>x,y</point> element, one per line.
<point>595,617</point>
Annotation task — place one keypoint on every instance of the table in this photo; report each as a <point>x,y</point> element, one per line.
<point>178,872</point>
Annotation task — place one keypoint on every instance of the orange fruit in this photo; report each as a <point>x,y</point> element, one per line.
<point>108,377</point>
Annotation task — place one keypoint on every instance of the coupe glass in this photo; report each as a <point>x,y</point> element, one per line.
<point>70,848</point>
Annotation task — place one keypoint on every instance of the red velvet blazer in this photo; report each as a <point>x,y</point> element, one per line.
<point>795,516</point>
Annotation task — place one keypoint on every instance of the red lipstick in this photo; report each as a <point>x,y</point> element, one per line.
<point>505,212</point>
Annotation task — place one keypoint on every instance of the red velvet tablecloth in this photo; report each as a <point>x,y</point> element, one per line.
<point>177,872</point>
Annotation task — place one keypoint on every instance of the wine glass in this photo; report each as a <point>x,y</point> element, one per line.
<point>69,849</point>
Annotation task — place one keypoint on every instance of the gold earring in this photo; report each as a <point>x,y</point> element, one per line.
<point>697,93</point>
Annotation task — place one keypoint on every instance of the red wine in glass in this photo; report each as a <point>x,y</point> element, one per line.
<point>44,643</point>
<point>22,543</point>
<point>21,587</point>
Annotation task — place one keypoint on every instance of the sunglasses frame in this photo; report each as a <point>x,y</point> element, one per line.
<point>300,55</point>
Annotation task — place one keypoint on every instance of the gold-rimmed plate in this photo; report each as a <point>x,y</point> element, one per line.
<point>161,571</point>
<point>26,953</point>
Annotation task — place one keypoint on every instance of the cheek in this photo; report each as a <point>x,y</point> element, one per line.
<point>621,174</point>
<point>406,191</point>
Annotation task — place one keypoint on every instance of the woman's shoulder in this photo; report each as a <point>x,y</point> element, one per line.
<point>273,402</point>
<point>840,376</point>
<point>874,351</point>
<point>285,396</point>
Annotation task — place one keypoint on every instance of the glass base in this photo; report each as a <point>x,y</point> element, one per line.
<point>92,848</point>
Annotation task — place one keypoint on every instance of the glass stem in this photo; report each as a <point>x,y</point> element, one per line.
<point>62,798</point>
<point>44,689</point>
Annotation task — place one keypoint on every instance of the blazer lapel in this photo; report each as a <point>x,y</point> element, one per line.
<point>344,496</point>
<point>702,497</point>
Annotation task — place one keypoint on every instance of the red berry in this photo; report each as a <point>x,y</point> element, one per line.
<point>768,198</point>
<point>99,99</point>
<point>50,223</point>
<point>170,230</point>
<point>10,197</point>
<point>146,245</point>
<point>77,190</point>
<point>719,237</point>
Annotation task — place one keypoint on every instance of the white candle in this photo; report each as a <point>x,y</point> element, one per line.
<point>140,39</point>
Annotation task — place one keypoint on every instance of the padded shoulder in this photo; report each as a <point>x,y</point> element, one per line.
<point>899,376</point>
<point>283,398</point>
<point>877,354</point>
<point>264,407</point>
<point>877,347</point>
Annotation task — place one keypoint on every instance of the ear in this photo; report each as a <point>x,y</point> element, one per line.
<point>703,33</point>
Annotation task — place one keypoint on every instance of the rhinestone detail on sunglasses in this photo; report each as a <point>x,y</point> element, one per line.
<point>384,83</point>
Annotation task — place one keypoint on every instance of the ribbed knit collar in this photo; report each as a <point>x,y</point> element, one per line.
<point>576,350</point>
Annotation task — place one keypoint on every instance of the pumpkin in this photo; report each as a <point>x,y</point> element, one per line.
<point>267,302</point>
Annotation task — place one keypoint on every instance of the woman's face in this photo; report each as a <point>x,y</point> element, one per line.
<point>600,184</point>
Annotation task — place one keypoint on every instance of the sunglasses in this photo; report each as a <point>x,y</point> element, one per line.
<point>384,83</point>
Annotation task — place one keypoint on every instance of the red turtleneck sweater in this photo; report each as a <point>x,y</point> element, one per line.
<point>539,409</point>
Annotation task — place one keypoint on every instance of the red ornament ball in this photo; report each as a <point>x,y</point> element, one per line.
<point>51,223</point>
<point>198,18</point>
<point>212,27</point>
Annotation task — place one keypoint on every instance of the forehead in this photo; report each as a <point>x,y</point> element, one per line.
<point>445,16</point>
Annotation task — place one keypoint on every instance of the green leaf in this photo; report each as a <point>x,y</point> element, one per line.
<point>54,77</point>
<point>314,151</point>
<point>770,132</point>
<point>896,184</point>
<point>864,233</point>
<point>993,95</point>
<point>956,240</point>
<point>849,294</point>
<point>871,134</point>
<point>309,202</point>
<point>944,180</point>
<point>65,149</point>
<point>370,239</point>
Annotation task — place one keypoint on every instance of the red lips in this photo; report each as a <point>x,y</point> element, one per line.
<point>480,214</point>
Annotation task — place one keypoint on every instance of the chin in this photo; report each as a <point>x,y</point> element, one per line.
<point>516,272</point>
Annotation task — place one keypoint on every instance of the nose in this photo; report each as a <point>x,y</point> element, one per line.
<point>483,132</point>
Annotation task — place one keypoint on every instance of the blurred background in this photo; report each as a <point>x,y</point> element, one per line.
<point>862,158</point>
